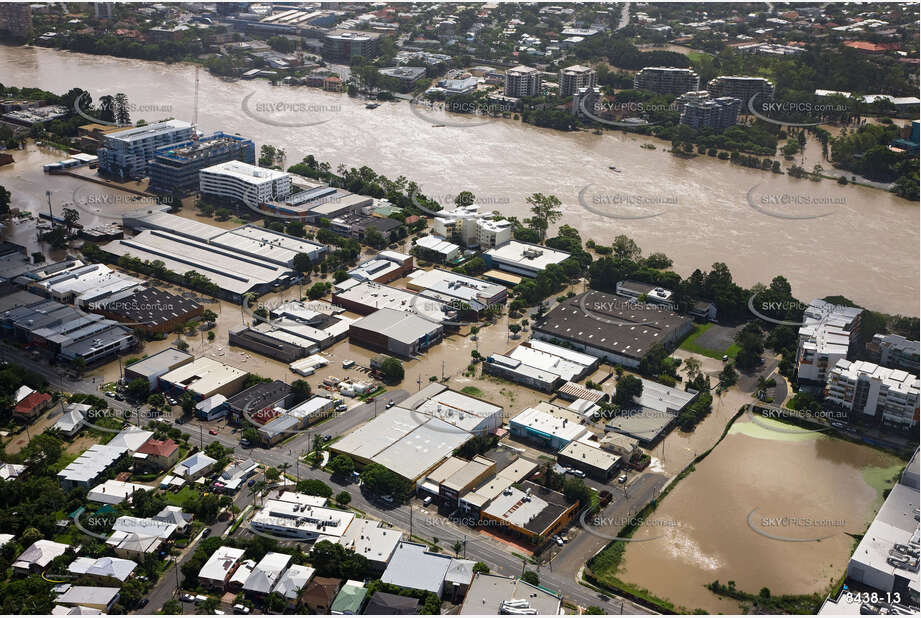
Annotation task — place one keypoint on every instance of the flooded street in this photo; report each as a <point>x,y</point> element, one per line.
<point>761,493</point>
<point>708,217</point>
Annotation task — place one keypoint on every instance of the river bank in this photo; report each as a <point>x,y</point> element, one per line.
<point>503,161</point>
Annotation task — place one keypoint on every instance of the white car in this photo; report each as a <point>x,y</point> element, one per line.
<point>346,364</point>
<point>188,598</point>
<point>622,478</point>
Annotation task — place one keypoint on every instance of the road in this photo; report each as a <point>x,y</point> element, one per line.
<point>429,525</point>
<point>165,589</point>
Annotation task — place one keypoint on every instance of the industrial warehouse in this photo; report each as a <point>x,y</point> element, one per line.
<point>248,259</point>
<point>607,326</point>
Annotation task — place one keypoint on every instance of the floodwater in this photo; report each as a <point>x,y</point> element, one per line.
<point>706,215</point>
<point>760,476</point>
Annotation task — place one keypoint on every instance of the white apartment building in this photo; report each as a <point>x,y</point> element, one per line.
<point>575,77</point>
<point>667,80</point>
<point>467,226</point>
<point>741,87</point>
<point>244,182</point>
<point>895,351</point>
<point>125,153</point>
<point>826,336</point>
<point>871,392</point>
<point>522,81</point>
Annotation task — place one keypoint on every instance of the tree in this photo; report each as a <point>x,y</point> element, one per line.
<point>334,560</point>
<point>138,389</point>
<point>343,498</point>
<point>531,577</point>
<point>546,211</point>
<point>300,391</point>
<point>381,480</point>
<point>122,113</point>
<point>302,263</point>
<point>272,474</point>
<point>626,248</point>
<point>5,196</point>
<point>480,567</point>
<point>628,387</point>
<point>314,487</point>
<point>71,218</point>
<point>342,465</point>
<point>594,610</point>
<point>392,370</point>
<point>464,198</point>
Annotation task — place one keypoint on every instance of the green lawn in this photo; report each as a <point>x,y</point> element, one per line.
<point>690,344</point>
<point>180,497</point>
<point>472,391</point>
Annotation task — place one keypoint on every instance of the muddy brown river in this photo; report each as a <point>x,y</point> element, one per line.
<point>864,244</point>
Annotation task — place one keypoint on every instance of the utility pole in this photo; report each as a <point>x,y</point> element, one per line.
<point>419,381</point>
<point>201,433</point>
<point>443,370</point>
<point>50,212</point>
<point>176,568</point>
<point>410,521</point>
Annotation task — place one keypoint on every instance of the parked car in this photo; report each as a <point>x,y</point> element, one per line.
<point>577,473</point>
<point>206,533</point>
<point>558,540</point>
<point>622,478</point>
<point>188,598</point>
<point>251,482</point>
<point>427,501</point>
<point>213,432</point>
<point>347,364</point>
<point>341,407</point>
<point>387,499</point>
<point>143,603</point>
<point>240,609</point>
<point>244,442</point>
<point>328,437</point>
<point>389,404</point>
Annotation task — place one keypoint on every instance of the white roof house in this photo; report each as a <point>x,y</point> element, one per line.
<point>194,465</point>
<point>97,597</point>
<point>220,564</point>
<point>86,468</point>
<point>73,419</point>
<point>10,471</point>
<point>39,554</point>
<point>21,393</point>
<point>131,438</point>
<point>144,527</point>
<point>114,492</point>
<point>293,581</point>
<point>413,566</point>
<point>266,573</point>
<point>366,537</point>
<point>116,568</point>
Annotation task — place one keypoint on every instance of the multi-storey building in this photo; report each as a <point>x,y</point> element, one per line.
<point>522,81</point>
<point>468,227</point>
<point>343,45</point>
<point>238,181</point>
<point>874,394</point>
<point>16,20</point>
<point>125,154</point>
<point>741,87</point>
<point>667,80</point>
<point>699,111</point>
<point>575,77</point>
<point>174,169</point>
<point>826,336</point>
<point>895,351</point>
<point>585,100</point>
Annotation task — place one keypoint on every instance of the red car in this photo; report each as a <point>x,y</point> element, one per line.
<point>213,432</point>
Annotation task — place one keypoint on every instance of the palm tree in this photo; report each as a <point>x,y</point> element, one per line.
<point>283,467</point>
